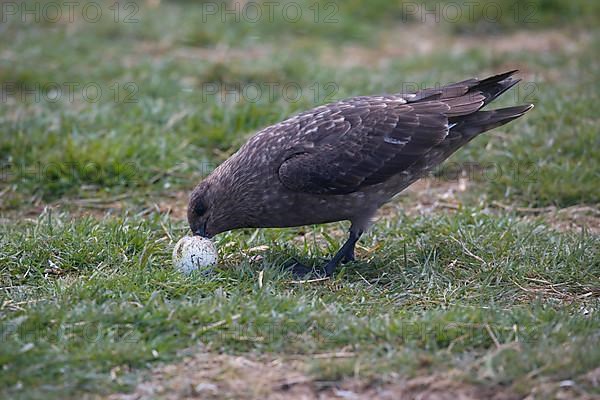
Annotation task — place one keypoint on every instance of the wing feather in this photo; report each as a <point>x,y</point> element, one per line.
<point>363,141</point>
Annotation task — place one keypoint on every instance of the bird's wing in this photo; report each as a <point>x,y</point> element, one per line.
<point>363,141</point>
<point>346,146</point>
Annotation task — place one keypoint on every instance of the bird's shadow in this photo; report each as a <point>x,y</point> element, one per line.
<point>372,270</point>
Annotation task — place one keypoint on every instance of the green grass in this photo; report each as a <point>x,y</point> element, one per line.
<point>116,300</point>
<point>83,295</point>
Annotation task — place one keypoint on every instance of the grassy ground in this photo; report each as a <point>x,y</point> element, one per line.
<point>489,272</point>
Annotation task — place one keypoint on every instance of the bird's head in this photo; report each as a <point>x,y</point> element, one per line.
<point>200,210</point>
<point>215,207</point>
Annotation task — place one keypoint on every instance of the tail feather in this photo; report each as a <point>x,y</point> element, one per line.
<point>494,90</point>
<point>482,121</point>
<point>490,88</point>
<point>465,125</point>
<point>466,128</point>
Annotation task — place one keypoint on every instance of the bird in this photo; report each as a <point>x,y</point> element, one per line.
<point>344,160</point>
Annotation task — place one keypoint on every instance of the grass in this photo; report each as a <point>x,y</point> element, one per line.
<point>89,301</point>
<point>113,301</point>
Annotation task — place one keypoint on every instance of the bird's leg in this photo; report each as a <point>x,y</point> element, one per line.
<point>344,254</point>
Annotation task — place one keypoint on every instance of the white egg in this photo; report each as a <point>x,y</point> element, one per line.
<point>192,253</point>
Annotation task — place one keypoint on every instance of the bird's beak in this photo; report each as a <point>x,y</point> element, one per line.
<point>201,231</point>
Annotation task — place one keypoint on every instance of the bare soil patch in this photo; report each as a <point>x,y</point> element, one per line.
<point>220,376</point>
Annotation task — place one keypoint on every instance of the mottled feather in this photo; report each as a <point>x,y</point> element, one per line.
<point>364,141</point>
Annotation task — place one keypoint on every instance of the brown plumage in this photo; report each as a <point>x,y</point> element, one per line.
<point>343,160</point>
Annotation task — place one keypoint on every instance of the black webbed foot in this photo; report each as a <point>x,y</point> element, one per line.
<point>300,271</point>
<point>348,256</point>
